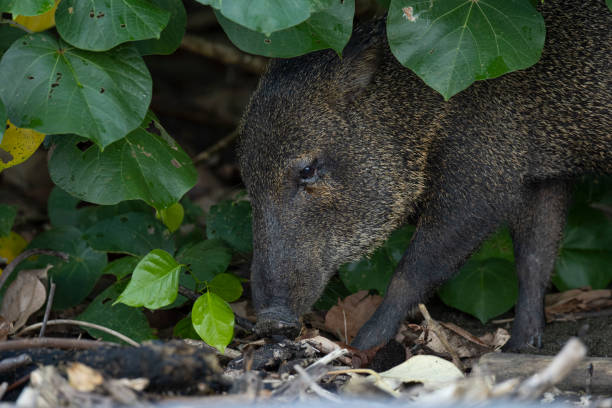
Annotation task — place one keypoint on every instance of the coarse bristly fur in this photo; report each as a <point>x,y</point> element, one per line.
<point>336,153</point>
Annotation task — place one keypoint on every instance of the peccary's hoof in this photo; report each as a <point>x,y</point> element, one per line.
<point>277,320</point>
<point>515,344</point>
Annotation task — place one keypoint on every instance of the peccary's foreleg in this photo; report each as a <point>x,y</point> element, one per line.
<point>537,228</point>
<point>447,234</point>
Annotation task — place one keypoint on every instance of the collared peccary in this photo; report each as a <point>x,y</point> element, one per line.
<point>337,152</point>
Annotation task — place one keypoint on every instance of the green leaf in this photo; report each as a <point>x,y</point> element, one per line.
<point>609,4</point>
<point>213,320</point>
<point>206,259</point>
<point>334,290</point>
<point>147,164</point>
<point>375,271</point>
<point>483,288</point>
<point>499,245</point>
<point>3,119</point>
<point>172,35</point>
<point>26,7</point>
<point>128,321</point>
<point>90,215</point>
<point>49,86</point>
<point>154,282</point>
<point>231,222</point>
<point>130,233</point>
<point>7,218</point>
<point>227,286</point>
<point>184,329</point>
<point>450,44</point>
<point>329,28</point>
<point>172,217</point>
<point>586,249</point>
<point>8,35</point>
<point>122,267</point>
<point>99,25</point>
<point>76,278</point>
<point>62,208</point>
<point>268,16</point>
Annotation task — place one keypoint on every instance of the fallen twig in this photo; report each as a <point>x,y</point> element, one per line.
<point>435,327</point>
<point>86,324</point>
<point>220,145</point>
<point>47,309</point>
<point>12,363</point>
<point>52,342</point>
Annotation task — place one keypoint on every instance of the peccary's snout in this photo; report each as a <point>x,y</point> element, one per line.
<point>277,320</point>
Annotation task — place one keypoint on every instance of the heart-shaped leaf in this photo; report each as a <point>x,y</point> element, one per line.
<point>172,35</point>
<point>452,43</point>
<point>26,7</point>
<point>52,87</point>
<point>147,164</point>
<point>154,283</point>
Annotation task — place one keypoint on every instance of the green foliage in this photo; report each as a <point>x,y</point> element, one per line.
<point>8,35</point>
<point>99,25</point>
<point>206,259</point>
<point>128,321</point>
<point>483,288</point>
<point>226,286</point>
<point>75,278</point>
<point>231,222</point>
<point>7,217</point>
<point>172,35</point>
<point>146,164</point>
<point>101,96</point>
<point>26,7</point>
<point>154,282</point>
<point>375,271</point>
<point>3,118</point>
<point>450,44</point>
<point>586,249</point>
<point>213,320</point>
<point>172,217</point>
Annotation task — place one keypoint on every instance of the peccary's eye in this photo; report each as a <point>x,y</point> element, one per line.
<point>307,172</point>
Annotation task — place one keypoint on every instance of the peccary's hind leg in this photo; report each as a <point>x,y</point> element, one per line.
<point>536,227</point>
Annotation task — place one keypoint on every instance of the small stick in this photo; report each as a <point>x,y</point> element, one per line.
<point>16,24</point>
<point>82,323</point>
<point>436,328</point>
<point>569,356</point>
<point>25,255</point>
<point>220,145</point>
<point>47,309</point>
<point>53,342</point>
<point>316,388</point>
<point>19,382</point>
<point>12,363</point>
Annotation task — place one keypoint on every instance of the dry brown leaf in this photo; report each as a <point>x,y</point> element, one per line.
<point>5,328</point>
<point>25,295</point>
<point>497,339</point>
<point>83,378</point>
<point>346,318</point>
<point>576,300</point>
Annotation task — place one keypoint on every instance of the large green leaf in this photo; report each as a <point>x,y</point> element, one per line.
<point>128,321</point>
<point>154,283</point>
<point>452,43</point>
<point>3,119</point>
<point>76,278</point>
<point>206,259</point>
<point>172,35</point>
<point>483,288</point>
<point>52,87</point>
<point>268,16</point>
<point>147,164</point>
<point>7,217</point>
<point>231,222</point>
<point>213,320</point>
<point>130,233</point>
<point>585,258</point>
<point>8,35</point>
<point>99,25</point>
<point>227,286</point>
<point>329,28</point>
<point>122,267</point>
<point>26,7</point>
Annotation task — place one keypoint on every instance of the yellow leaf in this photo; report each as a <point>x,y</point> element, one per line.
<point>39,23</point>
<point>11,246</point>
<point>18,145</point>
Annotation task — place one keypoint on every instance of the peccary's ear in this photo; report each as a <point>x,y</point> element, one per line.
<point>357,72</point>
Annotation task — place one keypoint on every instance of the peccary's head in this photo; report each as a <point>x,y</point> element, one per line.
<point>328,173</point>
